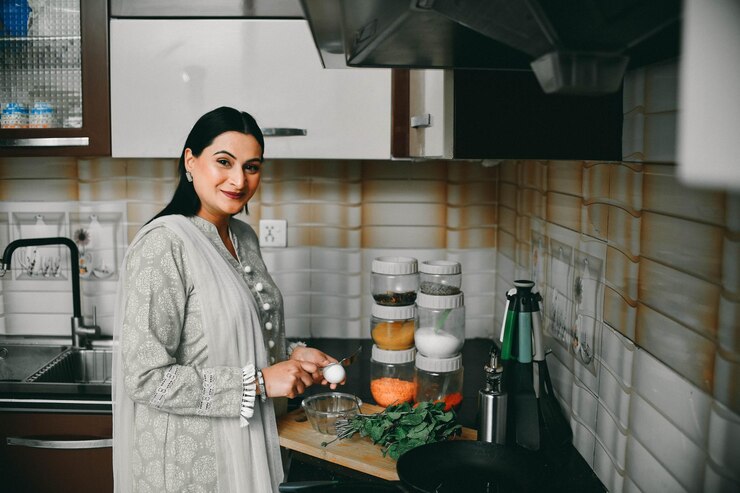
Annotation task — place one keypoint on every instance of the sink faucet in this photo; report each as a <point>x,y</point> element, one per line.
<point>81,333</point>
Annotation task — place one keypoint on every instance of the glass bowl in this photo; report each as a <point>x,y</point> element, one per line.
<point>323,410</point>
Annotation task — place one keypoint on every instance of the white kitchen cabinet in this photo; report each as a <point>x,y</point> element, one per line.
<point>709,119</point>
<point>165,73</point>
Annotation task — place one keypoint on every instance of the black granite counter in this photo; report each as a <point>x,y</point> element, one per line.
<point>572,472</point>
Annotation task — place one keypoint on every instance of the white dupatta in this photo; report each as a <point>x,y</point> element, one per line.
<point>248,459</point>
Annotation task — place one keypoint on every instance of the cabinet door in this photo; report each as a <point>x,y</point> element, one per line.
<point>431,106</point>
<point>167,73</point>
<point>55,452</point>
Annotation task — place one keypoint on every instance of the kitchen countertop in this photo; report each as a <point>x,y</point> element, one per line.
<point>574,474</point>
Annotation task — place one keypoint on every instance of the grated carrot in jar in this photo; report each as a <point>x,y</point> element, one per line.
<point>387,391</point>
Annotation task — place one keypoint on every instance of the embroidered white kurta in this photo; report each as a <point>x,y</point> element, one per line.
<point>165,357</point>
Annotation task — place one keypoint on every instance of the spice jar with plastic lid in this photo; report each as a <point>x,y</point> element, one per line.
<point>395,280</point>
<point>392,376</point>
<point>439,380</point>
<point>392,327</point>
<point>440,277</point>
<point>440,332</point>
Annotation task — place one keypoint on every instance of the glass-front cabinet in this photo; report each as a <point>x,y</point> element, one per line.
<point>54,83</point>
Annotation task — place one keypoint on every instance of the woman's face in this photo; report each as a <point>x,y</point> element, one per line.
<point>225,175</point>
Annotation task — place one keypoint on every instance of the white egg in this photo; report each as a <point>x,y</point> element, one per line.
<point>334,373</point>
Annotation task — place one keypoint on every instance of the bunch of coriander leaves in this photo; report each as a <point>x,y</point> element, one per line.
<point>399,428</point>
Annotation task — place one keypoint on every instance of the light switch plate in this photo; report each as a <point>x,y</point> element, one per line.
<point>273,233</point>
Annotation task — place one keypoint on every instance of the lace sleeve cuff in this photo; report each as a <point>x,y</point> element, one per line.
<point>292,347</point>
<point>249,393</point>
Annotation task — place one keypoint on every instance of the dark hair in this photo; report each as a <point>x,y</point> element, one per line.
<point>209,126</point>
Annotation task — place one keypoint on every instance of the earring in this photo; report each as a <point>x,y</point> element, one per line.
<point>189,176</point>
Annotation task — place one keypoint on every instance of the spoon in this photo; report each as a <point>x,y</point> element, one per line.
<point>345,361</point>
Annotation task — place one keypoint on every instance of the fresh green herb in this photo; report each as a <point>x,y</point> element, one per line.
<point>399,428</point>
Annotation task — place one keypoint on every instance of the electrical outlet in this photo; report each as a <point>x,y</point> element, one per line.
<point>273,233</point>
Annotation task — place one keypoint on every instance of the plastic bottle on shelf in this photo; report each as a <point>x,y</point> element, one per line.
<point>392,327</point>
<point>440,277</point>
<point>395,280</point>
<point>392,376</point>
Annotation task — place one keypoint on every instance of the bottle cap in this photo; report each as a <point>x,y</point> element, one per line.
<point>440,267</point>
<point>439,302</point>
<point>441,365</point>
<point>395,265</point>
<point>390,312</point>
<point>387,356</point>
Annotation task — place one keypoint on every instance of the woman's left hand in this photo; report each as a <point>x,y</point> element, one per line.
<point>319,358</point>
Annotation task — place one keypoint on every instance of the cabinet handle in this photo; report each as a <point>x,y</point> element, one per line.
<point>283,132</point>
<point>421,121</point>
<point>60,444</point>
<point>46,142</point>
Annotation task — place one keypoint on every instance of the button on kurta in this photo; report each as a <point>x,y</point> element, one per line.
<point>268,325</point>
<point>247,269</point>
<point>266,306</point>
<point>259,287</point>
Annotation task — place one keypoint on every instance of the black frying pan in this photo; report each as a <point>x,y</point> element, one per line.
<point>462,466</point>
<point>470,467</point>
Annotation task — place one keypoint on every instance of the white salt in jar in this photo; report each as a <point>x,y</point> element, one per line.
<point>441,329</point>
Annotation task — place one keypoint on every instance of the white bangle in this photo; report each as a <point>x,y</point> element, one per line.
<point>261,384</point>
<point>249,393</point>
<point>293,345</point>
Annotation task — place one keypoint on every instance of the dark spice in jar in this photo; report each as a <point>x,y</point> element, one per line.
<point>389,298</point>
<point>437,289</point>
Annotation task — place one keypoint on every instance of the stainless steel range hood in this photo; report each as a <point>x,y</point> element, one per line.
<point>573,46</point>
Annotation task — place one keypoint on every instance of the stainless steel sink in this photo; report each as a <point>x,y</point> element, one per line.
<point>82,366</point>
<point>19,361</point>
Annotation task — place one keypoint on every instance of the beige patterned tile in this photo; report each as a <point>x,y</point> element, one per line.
<point>716,479</point>
<point>471,216</point>
<point>46,190</point>
<point>614,397</point>
<point>595,221</point>
<point>465,171</point>
<point>472,238</point>
<point>333,237</point>
<point>506,244</point>
<point>611,436</point>
<point>101,169</point>
<point>296,214</point>
<point>732,215</point>
<point>647,472</point>
<point>731,266</point>
<point>633,136</point>
<point>531,202</point>
<point>341,192</point>
<point>620,314</point>
<point>402,237</point>
<point>152,168</point>
<point>285,191</point>
<point>338,215</point>
<point>606,470</point>
<point>623,231</point>
<point>141,212</point>
<point>289,259</point>
<point>507,220</point>
<point>682,458</point>
<point>700,244</point>
<point>663,193</point>
<point>661,87</point>
<point>470,194</point>
<point>677,294</point>
<point>564,210</point>
<point>389,214</point>
<point>20,168</point>
<point>724,440</point>
<point>728,331</point>
<point>660,137</point>
<point>509,172</point>
<point>534,174</point>
<point>523,229</point>
<point>727,381</point>
<point>405,171</point>
<point>286,169</point>
<point>508,195</point>
<point>403,191</point>
<point>670,342</point>
<point>114,189</point>
<point>342,171</point>
<point>622,274</point>
<point>685,406</point>
<point>149,190</point>
<point>565,177</point>
<point>596,181</point>
<point>625,186</point>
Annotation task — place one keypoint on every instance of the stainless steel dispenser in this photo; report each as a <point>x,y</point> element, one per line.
<point>492,402</point>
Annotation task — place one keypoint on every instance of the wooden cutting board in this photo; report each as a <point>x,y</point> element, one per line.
<point>356,453</point>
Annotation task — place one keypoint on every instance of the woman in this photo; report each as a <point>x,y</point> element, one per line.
<point>199,328</point>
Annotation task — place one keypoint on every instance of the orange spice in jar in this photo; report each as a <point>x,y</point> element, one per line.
<point>392,376</point>
<point>392,327</point>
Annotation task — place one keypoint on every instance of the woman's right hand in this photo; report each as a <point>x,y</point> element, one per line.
<point>288,378</point>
